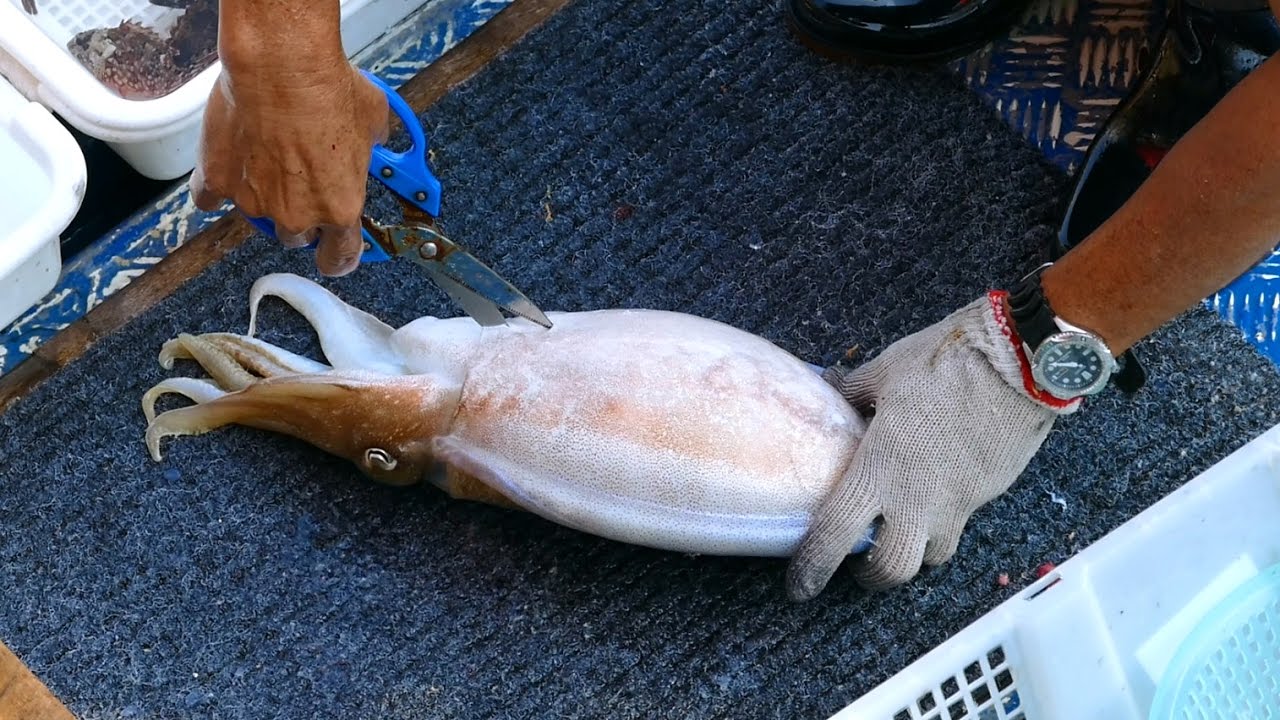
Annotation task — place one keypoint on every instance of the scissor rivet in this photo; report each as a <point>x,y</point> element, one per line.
<point>428,250</point>
<point>367,246</point>
<point>386,172</point>
<point>420,196</point>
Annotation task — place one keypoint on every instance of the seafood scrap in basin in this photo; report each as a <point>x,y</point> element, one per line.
<point>138,63</point>
<point>656,428</point>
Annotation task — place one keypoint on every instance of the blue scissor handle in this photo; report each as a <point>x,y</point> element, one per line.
<point>406,172</point>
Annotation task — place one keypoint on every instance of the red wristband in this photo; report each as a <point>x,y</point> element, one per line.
<point>997,298</point>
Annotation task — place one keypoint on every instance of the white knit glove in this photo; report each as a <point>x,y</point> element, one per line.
<point>957,419</point>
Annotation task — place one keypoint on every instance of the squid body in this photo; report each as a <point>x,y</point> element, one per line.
<point>656,428</point>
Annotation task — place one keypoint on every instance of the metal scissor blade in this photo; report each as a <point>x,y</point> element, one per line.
<point>475,286</point>
<point>463,268</point>
<point>479,308</point>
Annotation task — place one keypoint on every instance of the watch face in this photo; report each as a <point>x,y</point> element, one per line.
<point>1069,367</point>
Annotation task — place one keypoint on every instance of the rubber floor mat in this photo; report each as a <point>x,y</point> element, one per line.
<point>683,156</point>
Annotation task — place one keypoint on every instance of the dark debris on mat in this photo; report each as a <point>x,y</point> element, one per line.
<point>625,154</point>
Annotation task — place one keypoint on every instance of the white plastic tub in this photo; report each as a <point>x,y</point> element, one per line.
<point>1094,638</point>
<point>158,136</point>
<point>42,181</point>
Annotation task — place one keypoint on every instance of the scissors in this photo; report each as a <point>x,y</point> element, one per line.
<point>481,292</point>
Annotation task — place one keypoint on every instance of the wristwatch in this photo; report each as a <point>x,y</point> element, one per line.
<point>1066,361</point>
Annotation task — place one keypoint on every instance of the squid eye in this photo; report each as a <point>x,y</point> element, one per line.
<point>379,458</point>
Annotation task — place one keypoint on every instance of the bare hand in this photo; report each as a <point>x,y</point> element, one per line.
<point>294,145</point>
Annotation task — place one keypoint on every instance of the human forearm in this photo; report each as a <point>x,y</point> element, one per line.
<point>283,35</point>
<point>290,127</point>
<point>1208,212</point>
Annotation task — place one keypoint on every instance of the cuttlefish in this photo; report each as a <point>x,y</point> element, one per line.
<point>651,427</point>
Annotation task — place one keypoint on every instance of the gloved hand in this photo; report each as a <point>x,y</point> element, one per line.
<point>957,419</point>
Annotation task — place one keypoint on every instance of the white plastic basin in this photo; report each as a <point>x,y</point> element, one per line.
<point>42,182</point>
<point>157,136</point>
<point>1095,637</point>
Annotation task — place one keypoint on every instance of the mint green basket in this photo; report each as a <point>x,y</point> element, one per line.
<point>1228,667</point>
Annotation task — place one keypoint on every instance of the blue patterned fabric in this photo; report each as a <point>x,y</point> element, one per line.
<point>1055,79</point>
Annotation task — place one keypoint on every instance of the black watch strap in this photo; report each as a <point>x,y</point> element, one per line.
<point>1033,319</point>
<point>1129,377</point>
<point>1032,316</point>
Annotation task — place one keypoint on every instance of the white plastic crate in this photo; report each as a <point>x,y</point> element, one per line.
<point>42,181</point>
<point>158,137</point>
<point>1093,638</point>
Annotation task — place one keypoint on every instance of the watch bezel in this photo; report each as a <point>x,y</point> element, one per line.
<point>1078,338</point>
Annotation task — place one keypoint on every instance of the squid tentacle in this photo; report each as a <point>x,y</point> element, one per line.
<point>350,338</point>
<point>225,369</point>
<point>263,358</point>
<point>198,390</point>
<point>299,405</point>
<point>231,359</point>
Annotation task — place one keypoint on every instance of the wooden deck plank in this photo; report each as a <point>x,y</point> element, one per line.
<point>22,696</point>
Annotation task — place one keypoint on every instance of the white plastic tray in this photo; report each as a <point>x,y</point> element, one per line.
<point>158,137</point>
<point>1092,638</point>
<point>42,181</point>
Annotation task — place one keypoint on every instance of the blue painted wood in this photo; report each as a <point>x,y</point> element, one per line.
<point>148,236</point>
